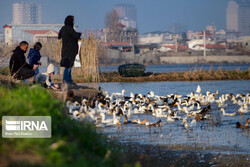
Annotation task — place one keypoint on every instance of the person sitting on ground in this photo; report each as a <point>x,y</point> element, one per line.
<point>45,78</point>
<point>18,66</point>
<point>34,57</point>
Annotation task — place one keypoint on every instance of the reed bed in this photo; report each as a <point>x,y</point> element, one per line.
<point>89,70</point>
<point>195,75</point>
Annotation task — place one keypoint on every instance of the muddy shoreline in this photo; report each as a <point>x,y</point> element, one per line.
<point>150,155</point>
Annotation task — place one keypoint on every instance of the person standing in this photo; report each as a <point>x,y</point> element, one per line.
<point>34,57</point>
<point>18,66</point>
<point>69,47</point>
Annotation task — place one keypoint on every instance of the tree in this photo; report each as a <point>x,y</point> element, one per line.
<point>111,25</point>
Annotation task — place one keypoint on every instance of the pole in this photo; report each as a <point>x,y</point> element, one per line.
<point>176,43</point>
<point>204,38</point>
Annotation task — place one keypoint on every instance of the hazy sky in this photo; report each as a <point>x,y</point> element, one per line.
<point>152,15</point>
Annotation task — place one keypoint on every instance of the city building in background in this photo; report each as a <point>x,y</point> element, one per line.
<point>127,15</point>
<point>27,13</point>
<point>244,17</point>
<point>211,29</point>
<point>177,28</point>
<point>120,24</point>
<point>238,17</point>
<point>232,16</point>
<point>15,33</point>
<point>98,33</point>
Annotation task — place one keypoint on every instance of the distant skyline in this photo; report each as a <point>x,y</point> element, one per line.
<point>152,15</point>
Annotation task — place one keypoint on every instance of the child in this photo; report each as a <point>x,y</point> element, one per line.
<point>45,78</point>
<point>34,57</point>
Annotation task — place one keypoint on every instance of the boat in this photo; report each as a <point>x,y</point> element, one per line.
<point>132,70</point>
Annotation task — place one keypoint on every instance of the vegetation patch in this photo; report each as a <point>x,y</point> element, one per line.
<point>72,143</point>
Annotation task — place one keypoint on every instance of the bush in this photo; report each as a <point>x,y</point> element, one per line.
<point>71,144</point>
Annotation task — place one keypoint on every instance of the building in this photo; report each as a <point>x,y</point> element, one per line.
<point>177,28</point>
<point>98,33</point>
<point>244,17</point>
<point>211,29</point>
<point>127,15</point>
<point>15,33</point>
<point>156,37</point>
<point>27,13</point>
<point>232,16</point>
<point>120,34</point>
<point>238,16</point>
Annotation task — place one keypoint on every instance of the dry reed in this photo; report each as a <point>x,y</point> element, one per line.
<point>52,50</point>
<point>89,69</point>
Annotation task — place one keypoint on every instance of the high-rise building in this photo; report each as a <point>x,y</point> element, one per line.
<point>238,16</point>
<point>244,17</point>
<point>232,16</point>
<point>127,15</point>
<point>27,13</point>
<point>176,28</point>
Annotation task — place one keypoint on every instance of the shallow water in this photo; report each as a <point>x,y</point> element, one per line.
<point>222,138</point>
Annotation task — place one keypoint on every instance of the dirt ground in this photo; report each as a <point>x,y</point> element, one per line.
<point>149,155</point>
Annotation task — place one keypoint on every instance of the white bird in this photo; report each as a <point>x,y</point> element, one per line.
<point>119,94</point>
<point>198,90</point>
<point>242,110</point>
<point>106,121</point>
<point>187,125</point>
<point>227,114</point>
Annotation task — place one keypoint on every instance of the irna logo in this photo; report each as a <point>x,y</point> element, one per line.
<point>25,125</point>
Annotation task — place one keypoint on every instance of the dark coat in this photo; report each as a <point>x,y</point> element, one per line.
<point>18,61</point>
<point>34,56</point>
<point>69,42</point>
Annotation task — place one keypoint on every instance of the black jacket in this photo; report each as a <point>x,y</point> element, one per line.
<point>18,61</point>
<point>69,43</point>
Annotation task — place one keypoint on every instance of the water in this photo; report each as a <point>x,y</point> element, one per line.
<point>171,67</point>
<point>182,67</point>
<point>221,138</point>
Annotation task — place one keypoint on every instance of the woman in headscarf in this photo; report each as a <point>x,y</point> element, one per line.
<point>69,47</point>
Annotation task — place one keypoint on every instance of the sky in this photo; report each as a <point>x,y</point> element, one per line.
<point>152,15</point>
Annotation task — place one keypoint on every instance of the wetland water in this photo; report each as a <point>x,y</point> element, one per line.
<point>182,67</point>
<point>223,138</point>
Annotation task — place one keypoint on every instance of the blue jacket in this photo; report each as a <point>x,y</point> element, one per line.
<point>34,56</point>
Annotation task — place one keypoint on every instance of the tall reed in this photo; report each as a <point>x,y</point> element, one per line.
<point>52,49</point>
<point>89,69</point>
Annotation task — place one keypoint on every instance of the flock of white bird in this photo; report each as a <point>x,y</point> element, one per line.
<point>116,108</point>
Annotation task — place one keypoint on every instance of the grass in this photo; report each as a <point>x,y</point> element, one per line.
<point>72,143</point>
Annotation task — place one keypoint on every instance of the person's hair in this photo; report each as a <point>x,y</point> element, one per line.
<point>69,21</point>
<point>37,45</point>
<point>23,43</point>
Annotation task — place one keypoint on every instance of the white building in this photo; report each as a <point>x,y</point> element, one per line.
<point>156,38</point>
<point>15,33</point>
<point>27,13</point>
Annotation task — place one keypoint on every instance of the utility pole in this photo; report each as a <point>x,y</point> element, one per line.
<point>204,39</point>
